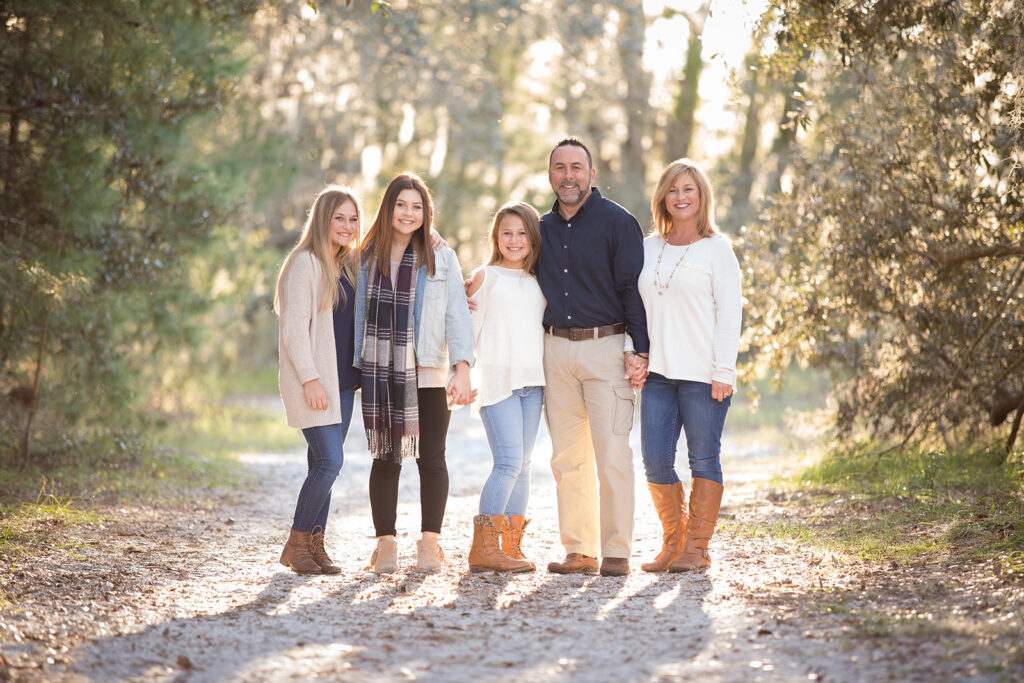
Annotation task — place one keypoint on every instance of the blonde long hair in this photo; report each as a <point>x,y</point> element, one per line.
<point>531,221</point>
<point>705,218</point>
<point>316,240</point>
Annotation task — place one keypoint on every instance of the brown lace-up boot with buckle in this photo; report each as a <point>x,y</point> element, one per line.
<point>297,553</point>
<point>319,552</point>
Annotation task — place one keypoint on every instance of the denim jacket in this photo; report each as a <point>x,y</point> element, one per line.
<point>443,327</point>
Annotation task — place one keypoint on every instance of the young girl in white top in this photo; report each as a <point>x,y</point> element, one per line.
<point>507,324</point>
<point>690,285</point>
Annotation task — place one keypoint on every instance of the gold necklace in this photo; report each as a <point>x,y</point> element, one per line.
<point>662,288</point>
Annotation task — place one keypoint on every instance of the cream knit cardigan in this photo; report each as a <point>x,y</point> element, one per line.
<point>306,346</point>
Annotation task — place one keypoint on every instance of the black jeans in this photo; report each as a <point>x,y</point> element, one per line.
<point>434,417</point>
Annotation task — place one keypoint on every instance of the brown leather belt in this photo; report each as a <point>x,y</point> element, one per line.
<point>581,333</point>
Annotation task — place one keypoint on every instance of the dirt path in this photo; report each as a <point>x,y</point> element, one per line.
<point>170,594</point>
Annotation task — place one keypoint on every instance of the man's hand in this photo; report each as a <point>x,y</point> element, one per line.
<point>636,369</point>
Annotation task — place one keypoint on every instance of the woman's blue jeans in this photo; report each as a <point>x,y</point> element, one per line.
<point>324,457</point>
<point>511,426</point>
<point>668,405</point>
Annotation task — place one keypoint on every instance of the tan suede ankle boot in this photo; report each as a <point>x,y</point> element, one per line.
<point>385,558</point>
<point>486,554</point>
<point>670,502</point>
<point>297,553</point>
<point>429,555</point>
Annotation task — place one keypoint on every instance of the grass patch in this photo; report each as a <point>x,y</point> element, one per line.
<point>26,523</point>
<point>189,459</point>
<point>911,505</point>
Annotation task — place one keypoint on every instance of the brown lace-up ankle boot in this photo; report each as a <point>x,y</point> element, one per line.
<point>319,552</point>
<point>297,553</point>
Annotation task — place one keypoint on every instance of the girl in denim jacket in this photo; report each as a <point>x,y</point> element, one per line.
<point>414,346</point>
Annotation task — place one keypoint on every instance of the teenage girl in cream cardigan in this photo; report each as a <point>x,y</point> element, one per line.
<point>315,299</point>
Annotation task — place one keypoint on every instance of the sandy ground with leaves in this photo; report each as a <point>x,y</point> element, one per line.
<point>197,595</point>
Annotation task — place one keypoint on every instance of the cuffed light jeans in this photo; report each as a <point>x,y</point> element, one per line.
<point>511,425</point>
<point>589,410</point>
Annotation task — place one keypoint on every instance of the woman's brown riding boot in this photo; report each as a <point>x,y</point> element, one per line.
<point>297,553</point>
<point>512,529</point>
<point>486,554</point>
<point>319,552</point>
<point>705,501</point>
<point>670,502</point>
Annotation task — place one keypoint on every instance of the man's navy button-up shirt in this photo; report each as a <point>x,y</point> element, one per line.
<point>588,268</point>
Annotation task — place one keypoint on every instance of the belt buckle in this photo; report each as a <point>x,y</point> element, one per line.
<point>575,334</point>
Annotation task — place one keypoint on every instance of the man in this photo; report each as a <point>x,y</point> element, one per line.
<point>591,257</point>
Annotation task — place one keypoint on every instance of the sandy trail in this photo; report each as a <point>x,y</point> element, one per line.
<point>200,596</point>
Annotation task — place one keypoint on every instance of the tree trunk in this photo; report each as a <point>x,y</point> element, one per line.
<point>632,190</point>
<point>682,128</point>
<point>33,406</point>
<point>782,147</point>
<point>741,211</point>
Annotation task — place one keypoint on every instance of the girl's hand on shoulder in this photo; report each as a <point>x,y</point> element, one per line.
<point>473,286</point>
<point>720,390</point>
<point>436,241</point>
<point>316,397</point>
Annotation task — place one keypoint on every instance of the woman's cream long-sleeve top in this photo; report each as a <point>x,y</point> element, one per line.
<point>695,324</point>
<point>306,346</point>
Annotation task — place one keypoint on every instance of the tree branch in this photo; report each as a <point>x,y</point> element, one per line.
<point>36,104</point>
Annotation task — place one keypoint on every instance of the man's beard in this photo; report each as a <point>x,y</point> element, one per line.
<point>570,196</point>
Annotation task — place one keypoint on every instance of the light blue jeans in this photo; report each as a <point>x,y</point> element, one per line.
<point>324,459</point>
<point>511,427</point>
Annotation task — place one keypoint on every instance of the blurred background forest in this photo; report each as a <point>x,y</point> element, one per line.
<point>158,157</point>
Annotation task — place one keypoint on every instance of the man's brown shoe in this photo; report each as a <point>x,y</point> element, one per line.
<point>575,563</point>
<point>614,566</point>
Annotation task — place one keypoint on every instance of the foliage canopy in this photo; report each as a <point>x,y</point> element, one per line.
<point>107,191</point>
<point>896,257</point>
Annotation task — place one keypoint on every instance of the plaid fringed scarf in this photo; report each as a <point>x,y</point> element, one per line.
<point>390,408</point>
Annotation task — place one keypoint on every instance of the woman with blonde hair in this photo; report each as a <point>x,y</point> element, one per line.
<point>414,346</point>
<point>690,285</point>
<point>315,302</point>
<point>509,331</point>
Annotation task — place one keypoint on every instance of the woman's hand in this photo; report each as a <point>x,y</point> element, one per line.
<point>460,391</point>
<point>636,369</point>
<point>720,390</point>
<point>316,397</point>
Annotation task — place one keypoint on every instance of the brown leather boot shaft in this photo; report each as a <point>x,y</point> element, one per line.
<point>670,503</point>
<point>486,553</point>
<point>297,553</point>
<point>705,502</point>
<point>319,552</point>
<point>512,531</point>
